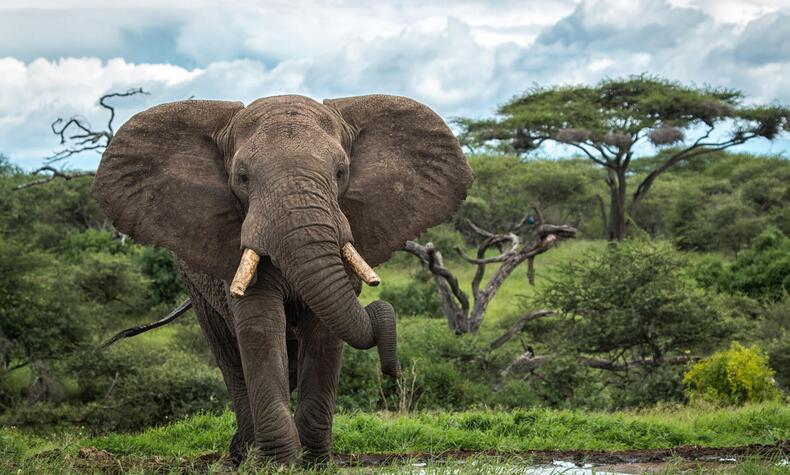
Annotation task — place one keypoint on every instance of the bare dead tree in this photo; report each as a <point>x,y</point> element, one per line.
<point>463,317</point>
<point>78,136</point>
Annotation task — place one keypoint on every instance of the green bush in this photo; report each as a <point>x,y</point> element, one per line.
<point>416,297</point>
<point>128,387</point>
<point>735,376</point>
<point>564,382</point>
<point>634,298</point>
<point>91,241</point>
<point>632,309</point>
<point>775,338</point>
<point>450,372</point>
<point>763,270</point>
<point>664,384</point>
<point>165,282</point>
<point>725,200</point>
<point>506,187</point>
<point>40,310</point>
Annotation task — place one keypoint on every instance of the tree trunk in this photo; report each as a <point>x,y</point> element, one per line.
<point>618,223</point>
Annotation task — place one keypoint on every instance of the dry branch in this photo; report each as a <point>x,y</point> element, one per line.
<point>455,302</point>
<point>527,362</point>
<point>54,173</point>
<point>513,330</point>
<point>78,136</point>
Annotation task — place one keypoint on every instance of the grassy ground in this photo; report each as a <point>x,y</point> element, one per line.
<point>191,439</point>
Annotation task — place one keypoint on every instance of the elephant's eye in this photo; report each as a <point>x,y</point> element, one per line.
<point>340,174</point>
<point>243,178</point>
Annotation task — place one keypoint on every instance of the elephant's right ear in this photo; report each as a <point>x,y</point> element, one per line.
<point>162,181</point>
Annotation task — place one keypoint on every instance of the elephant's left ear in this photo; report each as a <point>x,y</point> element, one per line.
<point>162,181</point>
<point>408,172</point>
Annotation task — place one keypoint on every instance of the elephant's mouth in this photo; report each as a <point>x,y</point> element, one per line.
<point>250,259</point>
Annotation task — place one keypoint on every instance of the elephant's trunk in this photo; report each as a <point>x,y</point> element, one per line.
<point>302,239</point>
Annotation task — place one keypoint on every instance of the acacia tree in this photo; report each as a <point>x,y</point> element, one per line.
<point>609,121</point>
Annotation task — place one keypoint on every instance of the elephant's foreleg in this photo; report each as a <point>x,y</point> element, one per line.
<point>226,352</point>
<point>320,355</point>
<point>259,319</point>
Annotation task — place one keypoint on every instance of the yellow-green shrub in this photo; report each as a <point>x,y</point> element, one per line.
<point>734,376</point>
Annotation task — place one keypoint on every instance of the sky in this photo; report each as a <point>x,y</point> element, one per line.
<point>462,58</point>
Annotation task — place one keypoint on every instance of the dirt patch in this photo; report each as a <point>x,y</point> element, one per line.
<point>598,457</point>
<point>622,461</point>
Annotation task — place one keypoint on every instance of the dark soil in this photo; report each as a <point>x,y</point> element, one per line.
<point>92,459</point>
<point>598,457</point>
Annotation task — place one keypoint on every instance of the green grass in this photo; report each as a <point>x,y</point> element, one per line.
<point>512,431</point>
<point>181,446</point>
<point>539,429</point>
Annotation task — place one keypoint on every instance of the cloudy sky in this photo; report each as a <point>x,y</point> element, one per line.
<point>460,57</point>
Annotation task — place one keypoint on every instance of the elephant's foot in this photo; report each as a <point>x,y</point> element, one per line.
<point>284,457</point>
<point>314,421</point>
<point>279,452</point>
<point>316,458</point>
<point>237,450</point>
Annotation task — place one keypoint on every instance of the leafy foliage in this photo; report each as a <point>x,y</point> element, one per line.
<point>417,297</point>
<point>617,112</point>
<point>36,324</point>
<point>633,307</point>
<point>67,281</point>
<point>735,376</point>
<point>165,282</point>
<point>144,389</point>
<point>724,204</point>
<point>607,122</point>
<point>761,271</point>
<point>633,297</point>
<point>507,187</point>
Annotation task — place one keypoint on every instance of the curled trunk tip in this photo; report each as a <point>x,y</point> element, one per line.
<point>244,273</point>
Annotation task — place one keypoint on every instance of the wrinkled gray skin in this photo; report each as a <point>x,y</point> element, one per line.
<point>294,180</point>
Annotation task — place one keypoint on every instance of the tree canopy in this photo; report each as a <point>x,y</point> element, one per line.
<point>607,122</point>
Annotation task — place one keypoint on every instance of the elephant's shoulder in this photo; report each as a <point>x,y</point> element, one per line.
<point>201,285</point>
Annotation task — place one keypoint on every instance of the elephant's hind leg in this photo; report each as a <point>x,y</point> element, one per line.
<point>320,358</point>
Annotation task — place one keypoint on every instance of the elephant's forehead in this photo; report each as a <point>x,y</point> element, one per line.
<point>289,112</point>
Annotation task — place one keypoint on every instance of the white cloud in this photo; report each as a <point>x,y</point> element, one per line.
<point>739,12</point>
<point>462,59</point>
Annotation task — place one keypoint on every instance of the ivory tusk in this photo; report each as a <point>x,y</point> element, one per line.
<point>244,273</point>
<point>359,266</point>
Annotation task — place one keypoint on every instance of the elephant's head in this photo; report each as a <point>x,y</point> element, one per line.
<point>289,178</point>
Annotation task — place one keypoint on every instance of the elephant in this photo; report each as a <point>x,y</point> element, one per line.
<point>275,212</point>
